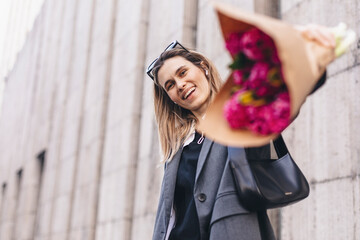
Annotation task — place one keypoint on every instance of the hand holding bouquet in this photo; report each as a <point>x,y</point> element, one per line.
<point>275,66</point>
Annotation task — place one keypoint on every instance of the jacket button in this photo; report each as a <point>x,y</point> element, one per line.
<point>202,197</point>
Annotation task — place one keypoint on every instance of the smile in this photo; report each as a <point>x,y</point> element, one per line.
<point>189,92</point>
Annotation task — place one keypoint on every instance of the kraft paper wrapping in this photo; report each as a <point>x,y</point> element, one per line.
<point>303,62</point>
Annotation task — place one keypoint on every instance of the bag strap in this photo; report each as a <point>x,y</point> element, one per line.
<point>280,147</point>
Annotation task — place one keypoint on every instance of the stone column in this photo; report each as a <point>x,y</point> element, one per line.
<point>268,7</point>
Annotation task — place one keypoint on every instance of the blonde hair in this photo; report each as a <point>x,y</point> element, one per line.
<point>175,123</point>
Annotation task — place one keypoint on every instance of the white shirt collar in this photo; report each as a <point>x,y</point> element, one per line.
<point>190,138</point>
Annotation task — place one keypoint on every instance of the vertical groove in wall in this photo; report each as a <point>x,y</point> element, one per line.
<point>190,22</point>
<point>104,117</point>
<point>41,158</point>
<point>81,123</point>
<point>38,70</point>
<point>62,114</point>
<point>136,127</point>
<point>35,38</point>
<point>19,180</point>
<point>196,6</point>
<point>270,8</point>
<point>53,107</point>
<point>2,206</point>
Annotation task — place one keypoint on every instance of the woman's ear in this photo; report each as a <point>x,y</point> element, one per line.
<point>204,67</point>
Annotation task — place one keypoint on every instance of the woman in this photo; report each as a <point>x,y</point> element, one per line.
<point>198,196</point>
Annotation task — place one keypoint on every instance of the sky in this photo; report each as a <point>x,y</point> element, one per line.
<point>16,20</point>
<point>4,15</point>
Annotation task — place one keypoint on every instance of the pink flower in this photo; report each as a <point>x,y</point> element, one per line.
<point>267,119</point>
<point>266,90</point>
<point>260,126</point>
<point>281,111</point>
<point>275,58</point>
<point>258,74</point>
<point>284,96</point>
<point>281,105</point>
<point>233,43</point>
<point>259,70</point>
<point>240,76</point>
<point>234,112</point>
<point>260,118</point>
<point>251,113</point>
<point>278,125</point>
<point>262,91</point>
<point>265,112</point>
<point>256,45</point>
<point>258,78</point>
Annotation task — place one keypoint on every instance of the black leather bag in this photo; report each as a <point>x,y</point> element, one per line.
<point>268,183</point>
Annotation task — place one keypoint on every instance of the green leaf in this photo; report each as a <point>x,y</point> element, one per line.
<point>240,61</point>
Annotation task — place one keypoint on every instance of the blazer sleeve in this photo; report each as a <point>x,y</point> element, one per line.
<point>319,83</point>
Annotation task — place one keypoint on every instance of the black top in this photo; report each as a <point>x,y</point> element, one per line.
<point>187,222</point>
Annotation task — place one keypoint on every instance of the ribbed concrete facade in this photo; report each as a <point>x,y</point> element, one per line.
<point>79,152</point>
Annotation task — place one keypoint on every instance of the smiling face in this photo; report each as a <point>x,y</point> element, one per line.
<point>185,84</point>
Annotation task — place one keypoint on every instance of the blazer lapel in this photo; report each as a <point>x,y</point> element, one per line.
<point>205,149</point>
<point>169,183</point>
<point>171,173</point>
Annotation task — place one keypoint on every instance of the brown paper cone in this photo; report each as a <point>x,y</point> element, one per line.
<point>303,62</point>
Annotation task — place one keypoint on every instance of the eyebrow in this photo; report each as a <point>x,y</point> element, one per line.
<point>179,69</point>
<point>176,73</point>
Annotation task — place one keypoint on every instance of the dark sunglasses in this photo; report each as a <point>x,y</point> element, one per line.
<point>152,64</point>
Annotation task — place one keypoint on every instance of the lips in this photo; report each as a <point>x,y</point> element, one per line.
<point>187,92</point>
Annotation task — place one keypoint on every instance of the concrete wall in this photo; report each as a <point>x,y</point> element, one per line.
<point>325,138</point>
<point>78,95</point>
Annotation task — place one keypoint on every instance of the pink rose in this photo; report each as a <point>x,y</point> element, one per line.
<point>281,113</point>
<point>284,96</point>
<point>265,112</point>
<point>278,125</point>
<point>251,112</point>
<point>258,80</point>
<point>235,113</point>
<point>260,117</point>
<point>275,58</point>
<point>258,74</point>
<point>266,90</point>
<point>241,76</point>
<point>233,43</point>
<point>259,126</point>
<point>262,91</point>
<point>256,45</point>
<point>266,120</point>
<point>281,105</point>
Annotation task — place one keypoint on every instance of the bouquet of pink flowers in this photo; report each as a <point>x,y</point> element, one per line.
<point>274,69</point>
<point>260,100</point>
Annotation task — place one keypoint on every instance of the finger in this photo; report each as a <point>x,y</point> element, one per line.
<point>316,35</point>
<point>314,31</point>
<point>327,34</point>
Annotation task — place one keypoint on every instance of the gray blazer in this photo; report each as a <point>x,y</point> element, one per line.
<point>221,215</point>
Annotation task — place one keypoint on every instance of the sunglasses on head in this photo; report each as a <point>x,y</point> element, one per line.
<point>152,64</point>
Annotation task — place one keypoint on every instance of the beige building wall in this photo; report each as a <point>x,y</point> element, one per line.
<point>326,136</point>
<point>79,152</point>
